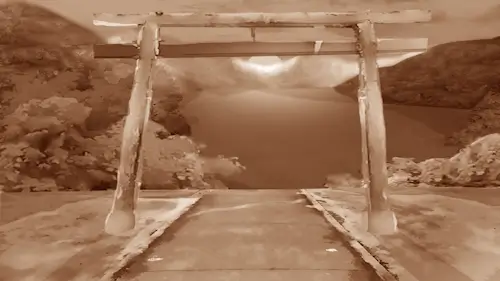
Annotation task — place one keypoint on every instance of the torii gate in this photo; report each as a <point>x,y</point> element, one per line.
<point>122,215</point>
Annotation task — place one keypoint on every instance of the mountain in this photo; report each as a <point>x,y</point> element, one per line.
<point>38,46</point>
<point>457,75</point>
<point>462,74</point>
<point>28,24</point>
<point>56,101</point>
<point>32,36</point>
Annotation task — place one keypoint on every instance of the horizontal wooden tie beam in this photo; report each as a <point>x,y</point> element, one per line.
<point>249,49</point>
<point>297,19</point>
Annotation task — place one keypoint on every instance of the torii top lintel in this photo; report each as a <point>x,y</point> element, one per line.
<point>254,20</point>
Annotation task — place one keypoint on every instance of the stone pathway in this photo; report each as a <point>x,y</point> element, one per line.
<point>250,235</point>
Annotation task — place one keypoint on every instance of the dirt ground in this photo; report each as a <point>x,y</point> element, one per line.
<point>14,206</point>
<point>442,235</point>
<point>67,230</point>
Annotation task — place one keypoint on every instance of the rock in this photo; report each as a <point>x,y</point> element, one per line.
<point>403,166</point>
<point>476,165</point>
<point>342,181</point>
<point>433,171</point>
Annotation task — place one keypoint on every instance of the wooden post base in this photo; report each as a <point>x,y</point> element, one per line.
<point>119,222</point>
<point>380,222</point>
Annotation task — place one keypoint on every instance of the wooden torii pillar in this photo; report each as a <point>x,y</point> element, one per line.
<point>380,217</point>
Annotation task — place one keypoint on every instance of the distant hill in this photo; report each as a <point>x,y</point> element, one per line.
<point>457,75</point>
<point>44,54</point>
<point>26,24</point>
<point>32,36</point>
<point>462,74</point>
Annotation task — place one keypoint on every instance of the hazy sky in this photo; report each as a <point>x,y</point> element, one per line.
<point>453,8</point>
<point>460,20</point>
<point>458,24</point>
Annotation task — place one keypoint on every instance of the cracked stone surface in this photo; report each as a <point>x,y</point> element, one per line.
<point>250,235</point>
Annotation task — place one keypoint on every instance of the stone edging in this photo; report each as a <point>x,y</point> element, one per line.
<point>366,245</point>
<point>141,242</point>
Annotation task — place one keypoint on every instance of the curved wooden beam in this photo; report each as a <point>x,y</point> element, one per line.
<point>296,19</point>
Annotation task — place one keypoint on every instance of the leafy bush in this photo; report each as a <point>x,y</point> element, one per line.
<point>42,147</point>
<point>46,147</point>
<point>476,165</point>
<point>173,161</point>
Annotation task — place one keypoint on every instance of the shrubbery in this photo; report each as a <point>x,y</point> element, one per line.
<point>43,142</point>
<point>476,165</point>
<point>46,147</point>
<point>62,111</point>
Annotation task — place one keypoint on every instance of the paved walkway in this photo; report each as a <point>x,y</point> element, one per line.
<point>250,235</point>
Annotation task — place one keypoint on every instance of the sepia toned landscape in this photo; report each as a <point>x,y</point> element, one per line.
<point>237,148</point>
